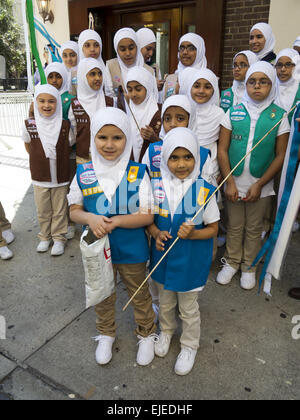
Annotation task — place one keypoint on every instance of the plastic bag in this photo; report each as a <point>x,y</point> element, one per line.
<point>99,275</point>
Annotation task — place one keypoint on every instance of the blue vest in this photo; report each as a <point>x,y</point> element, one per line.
<point>128,246</point>
<point>154,151</point>
<point>187,265</point>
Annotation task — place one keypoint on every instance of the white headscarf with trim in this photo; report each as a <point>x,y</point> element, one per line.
<point>59,68</point>
<point>198,42</point>
<point>48,128</point>
<point>267,32</point>
<point>144,112</point>
<point>238,88</point>
<point>180,101</point>
<point>176,188</point>
<point>286,91</point>
<point>90,99</point>
<point>110,173</point>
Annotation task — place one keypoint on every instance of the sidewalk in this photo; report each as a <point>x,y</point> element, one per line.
<point>247,351</point>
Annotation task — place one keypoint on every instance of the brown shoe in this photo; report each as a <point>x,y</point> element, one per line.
<point>295,293</point>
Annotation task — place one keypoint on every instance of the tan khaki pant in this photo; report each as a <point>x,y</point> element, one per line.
<point>132,275</point>
<point>4,225</point>
<point>244,229</point>
<point>2,240</point>
<point>52,212</point>
<point>188,313</point>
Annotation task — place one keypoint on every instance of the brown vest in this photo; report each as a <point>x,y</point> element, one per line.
<point>39,164</point>
<point>83,124</point>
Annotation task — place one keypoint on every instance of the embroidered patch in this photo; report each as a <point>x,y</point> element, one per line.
<point>92,191</point>
<point>238,116</point>
<point>156,161</point>
<point>133,173</point>
<point>159,195</point>
<point>88,177</point>
<point>117,79</point>
<point>161,212</point>
<point>202,196</point>
<point>227,94</point>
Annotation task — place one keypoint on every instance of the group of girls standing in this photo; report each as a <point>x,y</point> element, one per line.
<point>145,155</point>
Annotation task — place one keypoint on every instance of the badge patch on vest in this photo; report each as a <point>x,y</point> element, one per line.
<point>88,178</point>
<point>202,196</point>
<point>159,195</point>
<point>238,115</point>
<point>133,173</point>
<point>156,161</point>
<point>92,191</point>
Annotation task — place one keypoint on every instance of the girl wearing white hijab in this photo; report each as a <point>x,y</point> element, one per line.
<point>262,42</point>
<point>90,46</point>
<point>191,55</point>
<point>145,119</point>
<point>288,79</point>
<point>89,100</point>
<point>70,56</point>
<point>234,95</point>
<point>181,185</point>
<point>250,188</point>
<point>201,87</point>
<point>111,209</point>
<point>48,139</point>
<point>128,56</point>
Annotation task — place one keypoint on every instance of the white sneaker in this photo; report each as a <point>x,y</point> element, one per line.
<point>185,361</point>
<point>5,253</point>
<point>71,232</point>
<point>104,349</point>
<point>226,274</point>
<point>58,249</point>
<point>163,344</point>
<point>248,281</point>
<point>145,354</point>
<point>43,246</point>
<point>8,235</point>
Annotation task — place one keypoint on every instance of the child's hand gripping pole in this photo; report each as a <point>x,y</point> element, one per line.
<point>206,202</point>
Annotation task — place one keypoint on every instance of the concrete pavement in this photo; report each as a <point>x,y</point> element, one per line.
<point>247,351</point>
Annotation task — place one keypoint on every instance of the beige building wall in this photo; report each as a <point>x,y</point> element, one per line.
<point>285,22</point>
<point>59,29</point>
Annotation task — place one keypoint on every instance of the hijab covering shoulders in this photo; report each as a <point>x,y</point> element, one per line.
<point>238,88</point>
<point>208,115</point>
<point>59,68</point>
<point>286,91</point>
<point>90,99</point>
<point>145,37</point>
<point>267,32</point>
<point>199,43</point>
<point>176,188</point>
<point>110,173</point>
<point>256,108</point>
<point>48,127</point>
<point>145,111</point>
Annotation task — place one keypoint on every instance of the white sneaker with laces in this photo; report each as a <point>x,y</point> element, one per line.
<point>8,235</point>
<point>71,232</point>
<point>58,249</point>
<point>226,274</point>
<point>104,349</point>
<point>43,246</point>
<point>162,346</point>
<point>248,281</point>
<point>5,253</point>
<point>145,354</point>
<point>185,361</point>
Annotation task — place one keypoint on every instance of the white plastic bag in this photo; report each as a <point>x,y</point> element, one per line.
<point>99,275</point>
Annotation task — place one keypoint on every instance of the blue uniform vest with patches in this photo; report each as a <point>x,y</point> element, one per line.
<point>187,265</point>
<point>262,157</point>
<point>154,151</point>
<point>128,246</point>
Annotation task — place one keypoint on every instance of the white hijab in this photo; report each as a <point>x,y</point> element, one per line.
<point>59,68</point>
<point>145,37</point>
<point>297,42</point>
<point>199,43</point>
<point>71,45</point>
<point>139,61</point>
<point>144,112</point>
<point>267,32</point>
<point>181,101</point>
<point>286,91</point>
<point>238,88</point>
<point>208,115</point>
<point>110,173</point>
<point>256,108</point>
<point>90,99</point>
<point>176,188</point>
<point>48,127</point>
